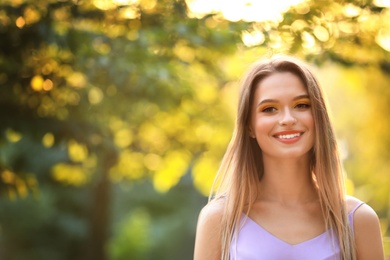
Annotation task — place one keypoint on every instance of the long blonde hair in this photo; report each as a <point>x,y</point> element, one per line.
<point>242,166</point>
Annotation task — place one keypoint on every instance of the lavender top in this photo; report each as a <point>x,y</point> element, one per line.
<point>254,242</point>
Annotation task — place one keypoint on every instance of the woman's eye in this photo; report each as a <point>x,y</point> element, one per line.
<point>302,106</point>
<point>269,110</point>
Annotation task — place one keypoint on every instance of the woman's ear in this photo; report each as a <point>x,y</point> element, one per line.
<point>250,132</point>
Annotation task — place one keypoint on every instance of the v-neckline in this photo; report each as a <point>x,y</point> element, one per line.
<point>281,240</point>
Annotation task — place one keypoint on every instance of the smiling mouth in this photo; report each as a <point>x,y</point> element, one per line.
<point>289,136</point>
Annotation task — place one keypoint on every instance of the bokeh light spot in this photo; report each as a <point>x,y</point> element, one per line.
<point>13,136</point>
<point>321,33</point>
<point>47,85</point>
<point>37,83</point>
<point>253,38</point>
<point>20,22</point>
<point>69,174</point>
<point>173,168</point>
<point>76,79</point>
<point>123,138</point>
<point>95,95</point>
<point>77,152</point>
<point>383,39</point>
<point>48,140</point>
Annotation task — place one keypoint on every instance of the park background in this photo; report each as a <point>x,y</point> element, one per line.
<point>115,114</point>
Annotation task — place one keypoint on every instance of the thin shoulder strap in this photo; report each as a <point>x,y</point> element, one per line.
<point>350,214</point>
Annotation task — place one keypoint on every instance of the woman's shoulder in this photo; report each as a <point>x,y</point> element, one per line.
<point>212,213</point>
<point>208,231</point>
<point>359,208</point>
<point>352,203</point>
<point>366,226</point>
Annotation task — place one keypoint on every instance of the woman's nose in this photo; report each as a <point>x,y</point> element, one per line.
<point>287,117</point>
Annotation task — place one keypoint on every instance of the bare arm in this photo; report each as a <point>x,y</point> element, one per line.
<point>368,237</point>
<point>208,239</point>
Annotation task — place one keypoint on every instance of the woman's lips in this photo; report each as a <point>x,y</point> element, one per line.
<point>288,136</point>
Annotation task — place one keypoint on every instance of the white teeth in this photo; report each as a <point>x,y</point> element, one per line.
<point>289,136</point>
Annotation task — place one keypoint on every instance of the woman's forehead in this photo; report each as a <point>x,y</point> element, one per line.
<point>280,84</point>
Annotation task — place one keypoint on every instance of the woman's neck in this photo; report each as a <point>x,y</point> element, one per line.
<point>287,182</point>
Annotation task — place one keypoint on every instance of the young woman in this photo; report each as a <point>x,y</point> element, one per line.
<point>280,186</point>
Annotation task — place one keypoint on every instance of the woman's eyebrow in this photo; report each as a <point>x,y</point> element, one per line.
<point>304,96</point>
<point>267,101</point>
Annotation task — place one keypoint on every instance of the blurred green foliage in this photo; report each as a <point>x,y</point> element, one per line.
<point>115,115</point>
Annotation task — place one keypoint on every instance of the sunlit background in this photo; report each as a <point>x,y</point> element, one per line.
<point>115,114</point>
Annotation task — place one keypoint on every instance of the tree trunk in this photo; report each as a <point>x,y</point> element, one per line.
<point>99,219</point>
<point>99,222</point>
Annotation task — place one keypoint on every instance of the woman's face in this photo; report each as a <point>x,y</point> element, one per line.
<point>281,120</point>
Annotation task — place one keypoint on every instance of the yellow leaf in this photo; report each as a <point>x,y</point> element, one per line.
<point>77,152</point>
<point>13,136</point>
<point>8,177</point>
<point>173,168</point>
<point>48,140</point>
<point>76,79</point>
<point>123,137</point>
<point>204,173</point>
<point>70,174</point>
<point>95,95</point>
<point>130,165</point>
